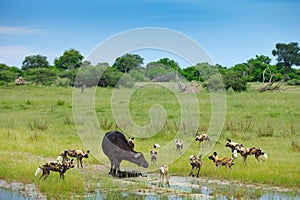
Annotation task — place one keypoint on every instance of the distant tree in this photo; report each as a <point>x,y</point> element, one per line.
<point>35,61</point>
<point>110,77</point>
<point>214,83</point>
<point>234,80</point>
<point>71,59</point>
<point>170,63</point>
<point>287,55</point>
<point>155,70</point>
<point>9,74</point>
<point>43,76</point>
<point>192,73</point>
<point>128,62</point>
<point>257,66</point>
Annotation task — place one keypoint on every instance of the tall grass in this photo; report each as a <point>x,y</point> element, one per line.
<point>38,130</point>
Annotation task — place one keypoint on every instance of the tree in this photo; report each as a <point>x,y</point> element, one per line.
<point>128,62</point>
<point>9,74</point>
<point>287,55</point>
<point>234,80</point>
<point>43,76</point>
<point>170,63</point>
<point>71,59</point>
<point>35,61</point>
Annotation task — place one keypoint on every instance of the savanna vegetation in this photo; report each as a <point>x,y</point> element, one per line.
<point>37,121</point>
<point>72,69</point>
<point>36,124</point>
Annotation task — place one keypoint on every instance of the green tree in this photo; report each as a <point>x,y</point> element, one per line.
<point>170,63</point>
<point>71,59</point>
<point>9,74</point>
<point>201,72</point>
<point>128,62</point>
<point>259,65</point>
<point>110,77</point>
<point>43,76</point>
<point>35,61</point>
<point>287,55</point>
<point>234,80</point>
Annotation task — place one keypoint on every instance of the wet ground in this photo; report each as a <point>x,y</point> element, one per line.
<point>156,188</point>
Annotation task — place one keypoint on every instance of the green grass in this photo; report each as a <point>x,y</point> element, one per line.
<point>37,123</point>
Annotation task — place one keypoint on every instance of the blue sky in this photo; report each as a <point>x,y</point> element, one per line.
<point>230,31</point>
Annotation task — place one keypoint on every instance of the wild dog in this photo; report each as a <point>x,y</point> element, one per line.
<point>245,151</point>
<point>131,142</point>
<point>78,154</point>
<point>56,167</point>
<point>235,147</point>
<point>196,163</point>
<point>202,138</point>
<point>153,154</point>
<point>179,145</point>
<point>228,162</point>
<point>257,152</point>
<point>164,172</point>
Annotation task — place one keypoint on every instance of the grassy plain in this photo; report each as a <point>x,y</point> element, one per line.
<point>36,124</point>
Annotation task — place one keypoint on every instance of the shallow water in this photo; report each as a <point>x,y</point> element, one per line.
<point>11,194</point>
<point>196,188</point>
<point>181,188</point>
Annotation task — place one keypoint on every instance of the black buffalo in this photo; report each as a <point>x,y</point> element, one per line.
<point>116,148</point>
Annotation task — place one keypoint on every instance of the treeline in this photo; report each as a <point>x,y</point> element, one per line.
<point>70,69</point>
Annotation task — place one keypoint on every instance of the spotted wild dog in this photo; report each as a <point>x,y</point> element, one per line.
<point>179,145</point>
<point>257,152</point>
<point>202,138</point>
<point>153,154</point>
<point>164,172</point>
<point>245,151</point>
<point>228,162</point>
<point>56,167</point>
<point>78,154</point>
<point>235,147</point>
<point>131,142</point>
<point>196,163</point>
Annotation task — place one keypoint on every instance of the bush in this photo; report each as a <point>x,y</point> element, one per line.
<point>235,80</point>
<point>293,82</point>
<point>214,83</point>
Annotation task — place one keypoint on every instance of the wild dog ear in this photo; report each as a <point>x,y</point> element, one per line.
<point>132,138</point>
<point>88,151</point>
<point>215,154</point>
<point>229,140</point>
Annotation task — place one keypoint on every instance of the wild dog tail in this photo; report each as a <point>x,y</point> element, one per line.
<point>38,170</point>
<point>59,159</point>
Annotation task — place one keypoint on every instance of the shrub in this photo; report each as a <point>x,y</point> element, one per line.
<point>293,82</point>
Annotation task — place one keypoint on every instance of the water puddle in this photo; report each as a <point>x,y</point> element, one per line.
<point>196,188</point>
<point>11,194</point>
<point>180,188</point>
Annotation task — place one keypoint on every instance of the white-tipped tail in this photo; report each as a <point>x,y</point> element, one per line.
<point>59,159</point>
<point>162,169</point>
<point>235,154</point>
<point>156,145</point>
<point>266,156</point>
<point>37,171</point>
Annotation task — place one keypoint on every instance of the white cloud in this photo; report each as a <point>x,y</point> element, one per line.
<point>16,30</point>
<point>14,55</point>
